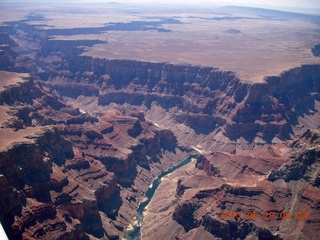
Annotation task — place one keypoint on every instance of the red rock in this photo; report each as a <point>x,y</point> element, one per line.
<point>87,175</point>
<point>233,195</point>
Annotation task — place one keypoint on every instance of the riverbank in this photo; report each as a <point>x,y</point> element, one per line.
<point>133,231</point>
<point>157,217</point>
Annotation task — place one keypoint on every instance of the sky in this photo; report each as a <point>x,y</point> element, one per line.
<point>313,5</point>
<point>276,3</point>
<point>303,6</point>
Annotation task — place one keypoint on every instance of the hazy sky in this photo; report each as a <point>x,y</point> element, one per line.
<point>313,5</point>
<point>307,6</point>
<point>276,3</point>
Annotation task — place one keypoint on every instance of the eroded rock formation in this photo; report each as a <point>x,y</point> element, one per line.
<point>256,112</point>
<point>261,194</point>
<point>82,138</point>
<point>316,50</point>
<point>79,176</point>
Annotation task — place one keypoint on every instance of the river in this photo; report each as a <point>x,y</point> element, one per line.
<point>134,234</point>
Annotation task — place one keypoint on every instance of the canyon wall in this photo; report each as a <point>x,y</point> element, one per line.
<point>65,174</point>
<point>257,112</point>
<point>83,138</point>
<point>258,194</point>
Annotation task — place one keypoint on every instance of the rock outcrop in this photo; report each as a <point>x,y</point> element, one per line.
<point>26,188</point>
<point>304,163</point>
<point>82,138</point>
<point>257,112</point>
<point>257,194</point>
<point>234,111</point>
<point>7,55</point>
<point>316,50</point>
<point>78,176</point>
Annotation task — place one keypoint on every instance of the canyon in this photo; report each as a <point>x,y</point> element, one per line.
<point>254,194</point>
<point>82,139</point>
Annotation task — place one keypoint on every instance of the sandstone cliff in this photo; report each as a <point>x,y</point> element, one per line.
<point>7,55</point>
<point>252,113</point>
<point>79,177</point>
<point>236,113</point>
<point>259,194</point>
<point>113,125</point>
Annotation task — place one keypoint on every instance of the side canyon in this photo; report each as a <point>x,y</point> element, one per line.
<point>82,138</point>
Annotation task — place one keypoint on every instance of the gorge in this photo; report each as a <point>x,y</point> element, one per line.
<point>82,139</point>
<point>134,231</point>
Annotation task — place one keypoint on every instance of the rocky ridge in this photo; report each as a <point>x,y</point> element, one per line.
<point>255,113</point>
<point>260,194</point>
<point>240,114</point>
<point>126,121</point>
<point>90,171</point>
<point>316,50</point>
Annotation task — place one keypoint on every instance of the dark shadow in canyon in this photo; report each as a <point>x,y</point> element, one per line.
<point>111,206</point>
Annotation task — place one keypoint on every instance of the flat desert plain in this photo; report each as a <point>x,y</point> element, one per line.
<point>252,43</point>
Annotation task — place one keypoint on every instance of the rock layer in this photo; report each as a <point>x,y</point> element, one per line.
<point>261,194</point>
<point>112,126</point>
<point>259,113</point>
<point>79,177</point>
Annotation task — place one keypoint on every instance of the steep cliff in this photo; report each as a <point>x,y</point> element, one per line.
<point>316,50</point>
<point>65,174</point>
<point>7,55</point>
<point>256,112</point>
<point>113,125</point>
<point>25,187</point>
<point>259,194</point>
<point>240,114</point>
<point>304,162</point>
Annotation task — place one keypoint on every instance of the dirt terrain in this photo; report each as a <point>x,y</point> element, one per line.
<point>235,39</point>
<point>269,194</point>
<point>97,100</point>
